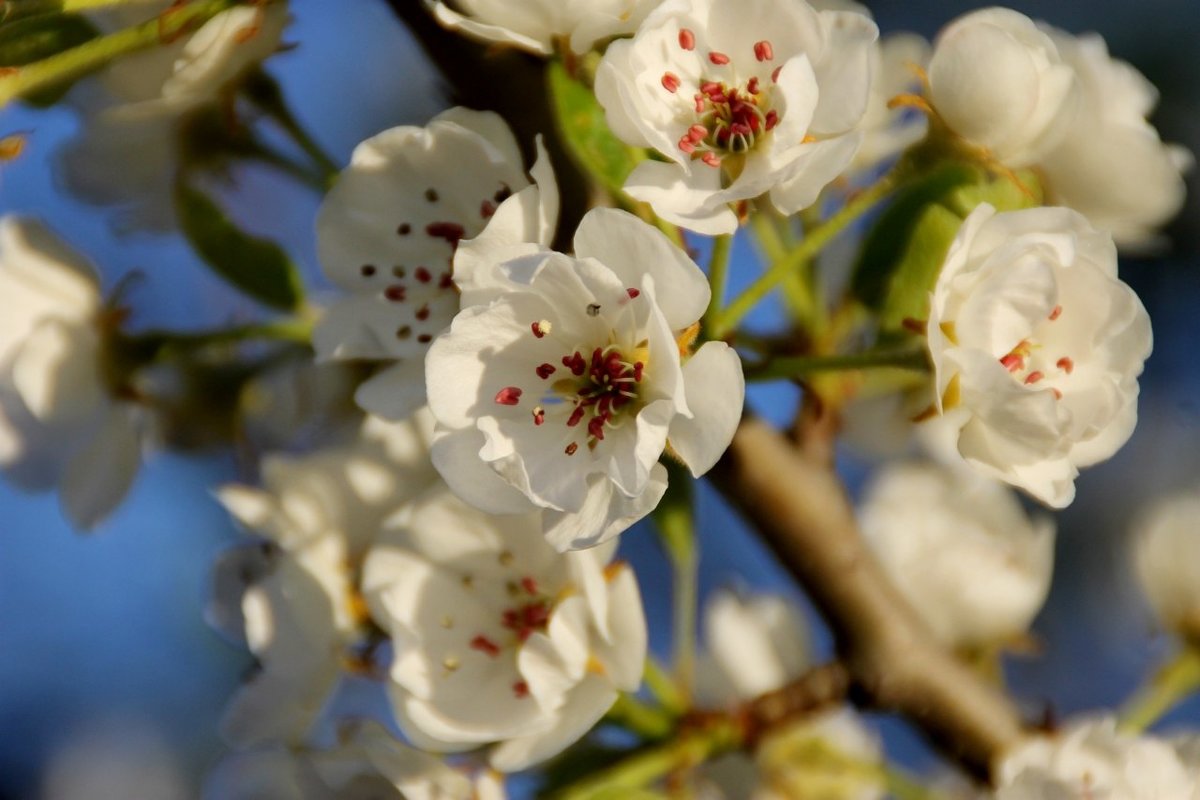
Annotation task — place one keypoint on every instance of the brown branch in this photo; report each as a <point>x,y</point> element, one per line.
<point>818,689</point>
<point>894,663</point>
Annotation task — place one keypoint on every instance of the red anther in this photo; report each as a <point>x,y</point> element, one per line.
<point>452,232</point>
<point>633,292</point>
<point>763,50</point>
<point>535,615</point>
<point>571,448</point>
<point>445,281</point>
<point>752,86</point>
<point>712,89</point>
<point>686,145</point>
<point>697,133</point>
<point>913,325</point>
<point>575,363</point>
<point>1065,364</point>
<point>521,689</point>
<point>699,103</point>
<point>537,329</point>
<point>1057,394</point>
<point>772,119</point>
<point>508,396</point>
<point>423,274</point>
<point>486,209</point>
<point>1012,362</point>
<point>775,74</point>
<point>529,585</point>
<point>485,645</point>
<point>711,158</point>
<point>423,313</point>
<point>596,427</point>
<point>670,82</point>
<point>545,371</point>
<point>576,416</point>
<point>1033,377</point>
<point>510,619</point>
<point>539,416</point>
<point>687,39</point>
<point>638,368</point>
<point>395,293</point>
<point>718,58</point>
<point>1056,313</point>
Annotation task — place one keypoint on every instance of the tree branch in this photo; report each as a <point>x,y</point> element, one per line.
<point>894,663</point>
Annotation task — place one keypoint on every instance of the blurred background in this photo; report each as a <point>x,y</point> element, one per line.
<point>106,665</point>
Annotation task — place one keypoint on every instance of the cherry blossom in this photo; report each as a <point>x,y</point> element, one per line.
<point>63,420</point>
<point>536,25</point>
<point>366,763</point>
<point>1034,335</point>
<point>498,638</point>
<point>1111,166</point>
<point>1001,84</point>
<point>293,598</point>
<point>743,99</point>
<point>387,234</point>
<point>1166,555</point>
<point>127,152</point>
<point>564,390</point>
<point>961,550</point>
<point>1091,759</point>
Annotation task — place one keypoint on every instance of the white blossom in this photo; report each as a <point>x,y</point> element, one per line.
<point>564,390</point>
<point>1112,167</point>
<point>498,638</point>
<point>1001,84</point>
<point>294,600</point>
<point>127,151</point>
<point>366,764</point>
<point>60,421</point>
<point>961,550</point>
<point>1090,759</point>
<point>743,99</point>
<point>388,230</point>
<point>756,645</point>
<point>1034,335</point>
<point>535,25</point>
<point>1167,561</point>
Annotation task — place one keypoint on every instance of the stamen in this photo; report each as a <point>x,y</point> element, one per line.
<point>1066,364</point>
<point>633,293</point>
<point>775,74</point>
<point>1033,377</point>
<point>452,232</point>
<point>711,159</point>
<point>1056,313</point>
<point>508,396</point>
<point>687,39</point>
<point>763,50</point>
<point>395,293</point>
<point>718,58</point>
<point>485,645</point>
<point>571,448</point>
<point>423,274</point>
<point>576,416</point>
<point>670,82</point>
<point>540,328</point>
<point>539,416</point>
<point>529,585</point>
<point>593,309</point>
<point>367,270</point>
<point>521,689</point>
<point>1012,362</point>
<point>544,371</point>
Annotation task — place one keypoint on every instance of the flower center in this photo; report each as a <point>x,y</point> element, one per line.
<point>1029,366</point>
<point>601,388</point>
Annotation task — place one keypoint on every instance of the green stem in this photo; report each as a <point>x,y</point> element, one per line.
<point>264,92</point>
<point>319,180</point>
<point>718,278</point>
<point>645,720</point>
<point>94,54</point>
<point>674,519</point>
<point>663,687</point>
<point>788,367</point>
<point>1175,681</point>
<point>646,766</point>
<point>813,242</point>
<point>18,9</point>
<point>154,344</point>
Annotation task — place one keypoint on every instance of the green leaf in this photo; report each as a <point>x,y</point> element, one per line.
<point>31,39</point>
<point>888,241</point>
<point>1003,192</point>
<point>258,267</point>
<point>582,126</point>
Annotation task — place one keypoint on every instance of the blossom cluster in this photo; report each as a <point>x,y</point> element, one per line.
<point>525,391</point>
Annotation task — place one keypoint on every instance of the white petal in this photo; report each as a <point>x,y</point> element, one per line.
<point>100,474</point>
<point>456,456</point>
<point>394,393</point>
<point>585,706</point>
<point>716,391</point>
<point>606,513</point>
<point>681,196</point>
<point>632,248</point>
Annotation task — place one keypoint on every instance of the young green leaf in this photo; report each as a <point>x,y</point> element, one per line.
<point>31,39</point>
<point>257,267</point>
